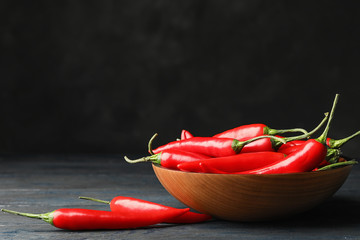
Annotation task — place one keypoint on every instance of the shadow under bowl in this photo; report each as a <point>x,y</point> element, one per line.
<point>251,197</point>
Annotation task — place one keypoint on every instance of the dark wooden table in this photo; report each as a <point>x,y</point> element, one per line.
<point>41,183</point>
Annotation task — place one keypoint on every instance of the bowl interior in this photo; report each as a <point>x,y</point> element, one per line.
<point>249,197</point>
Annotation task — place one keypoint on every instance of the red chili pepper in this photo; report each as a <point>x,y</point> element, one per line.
<point>122,205</point>
<point>87,219</point>
<point>249,131</point>
<point>290,144</point>
<point>261,145</point>
<point>185,135</point>
<point>306,158</point>
<point>214,147</point>
<point>208,169</point>
<point>236,163</point>
<point>170,158</point>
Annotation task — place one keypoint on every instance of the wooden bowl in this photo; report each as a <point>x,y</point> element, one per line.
<point>248,197</point>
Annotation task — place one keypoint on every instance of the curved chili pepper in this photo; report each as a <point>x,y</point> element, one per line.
<point>245,132</point>
<point>332,154</point>
<point>237,163</point>
<point>306,158</point>
<point>214,147</point>
<point>170,158</point>
<point>124,204</point>
<point>87,219</point>
<point>185,135</point>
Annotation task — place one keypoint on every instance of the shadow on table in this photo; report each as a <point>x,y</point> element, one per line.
<point>336,211</point>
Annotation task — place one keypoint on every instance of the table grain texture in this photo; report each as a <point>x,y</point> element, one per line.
<point>42,183</point>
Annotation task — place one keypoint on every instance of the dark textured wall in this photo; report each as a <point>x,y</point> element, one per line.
<point>103,76</point>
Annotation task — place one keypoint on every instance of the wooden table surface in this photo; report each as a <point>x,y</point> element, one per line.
<point>42,183</point>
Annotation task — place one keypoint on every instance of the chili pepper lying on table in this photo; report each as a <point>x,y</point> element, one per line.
<point>125,205</point>
<point>221,147</point>
<point>87,219</point>
<point>237,163</point>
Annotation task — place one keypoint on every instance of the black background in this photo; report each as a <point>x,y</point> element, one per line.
<point>103,76</point>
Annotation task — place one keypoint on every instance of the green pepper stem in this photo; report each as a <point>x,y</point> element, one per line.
<point>94,200</point>
<point>323,136</point>
<point>47,217</point>
<point>238,145</point>
<point>338,164</point>
<point>153,158</point>
<point>340,142</point>
<point>333,154</point>
<point>288,139</point>
<point>271,131</point>
<point>150,143</point>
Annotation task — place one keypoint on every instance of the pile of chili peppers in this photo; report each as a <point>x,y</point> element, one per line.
<point>253,149</point>
<point>247,149</point>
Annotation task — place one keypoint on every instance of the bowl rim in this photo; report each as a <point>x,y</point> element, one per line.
<point>348,167</point>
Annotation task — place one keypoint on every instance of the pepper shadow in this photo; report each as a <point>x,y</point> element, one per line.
<point>336,211</point>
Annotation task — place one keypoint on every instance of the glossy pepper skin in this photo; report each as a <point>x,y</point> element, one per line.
<point>331,152</point>
<point>237,163</point>
<point>170,158</point>
<point>219,147</point>
<point>246,132</point>
<point>209,146</point>
<point>261,145</point>
<point>305,159</point>
<point>87,219</point>
<point>126,205</point>
<point>185,135</point>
